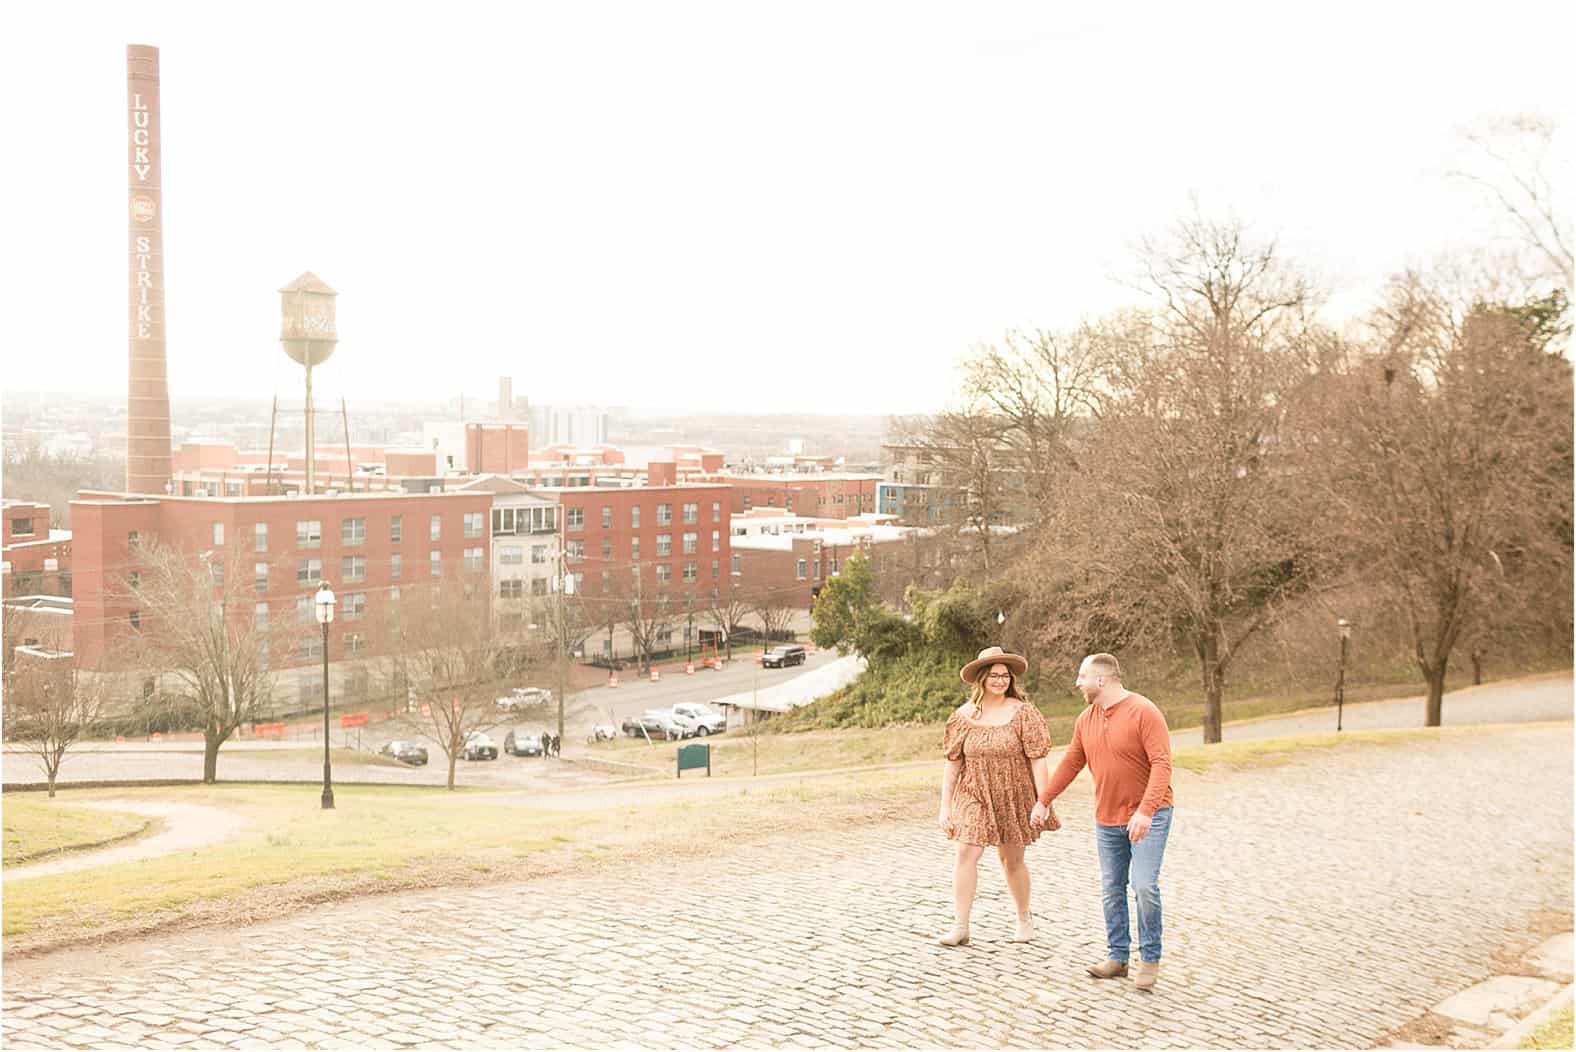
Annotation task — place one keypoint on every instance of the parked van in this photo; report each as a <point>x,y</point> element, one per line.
<point>781,657</point>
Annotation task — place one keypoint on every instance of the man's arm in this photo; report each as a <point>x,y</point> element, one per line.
<point>1073,761</point>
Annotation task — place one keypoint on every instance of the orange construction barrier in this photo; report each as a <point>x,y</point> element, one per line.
<point>655,675</point>
<point>612,679</point>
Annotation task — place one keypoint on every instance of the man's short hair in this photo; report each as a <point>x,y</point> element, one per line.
<point>1105,665</point>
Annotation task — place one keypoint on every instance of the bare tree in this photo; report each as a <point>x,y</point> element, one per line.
<point>1510,160</point>
<point>451,660</point>
<point>1453,466</point>
<point>772,607</point>
<point>728,609</point>
<point>50,705</point>
<point>198,633</point>
<point>1183,523</point>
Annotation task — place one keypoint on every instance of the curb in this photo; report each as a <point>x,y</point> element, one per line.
<point>1513,1037</point>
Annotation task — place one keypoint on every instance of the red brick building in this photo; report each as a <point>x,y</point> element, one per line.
<point>815,495</point>
<point>365,545</point>
<point>675,537</point>
<point>37,559</point>
<point>497,448</point>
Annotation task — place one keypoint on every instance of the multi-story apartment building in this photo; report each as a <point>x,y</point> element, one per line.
<point>525,548</point>
<point>794,556</point>
<point>367,546</point>
<point>824,496</point>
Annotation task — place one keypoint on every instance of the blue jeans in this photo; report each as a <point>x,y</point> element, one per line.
<point>1123,862</point>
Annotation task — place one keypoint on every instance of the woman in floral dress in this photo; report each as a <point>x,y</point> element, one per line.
<point>995,746</point>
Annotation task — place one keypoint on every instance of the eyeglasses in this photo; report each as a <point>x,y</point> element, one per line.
<point>999,675</point>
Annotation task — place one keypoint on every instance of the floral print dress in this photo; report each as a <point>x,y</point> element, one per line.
<point>994,793</point>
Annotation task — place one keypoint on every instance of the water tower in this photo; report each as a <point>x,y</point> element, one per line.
<point>306,330</point>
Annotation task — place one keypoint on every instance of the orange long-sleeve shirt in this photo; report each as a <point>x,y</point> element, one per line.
<point>1128,750</point>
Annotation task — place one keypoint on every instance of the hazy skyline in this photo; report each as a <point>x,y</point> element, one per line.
<point>817,208</point>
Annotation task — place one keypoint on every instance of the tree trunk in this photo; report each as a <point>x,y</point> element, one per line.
<point>452,751</point>
<point>1436,695</point>
<point>210,757</point>
<point>1212,676</point>
<point>51,776</point>
<point>1477,667</point>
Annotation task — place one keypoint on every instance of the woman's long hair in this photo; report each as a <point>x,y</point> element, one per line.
<point>978,690</point>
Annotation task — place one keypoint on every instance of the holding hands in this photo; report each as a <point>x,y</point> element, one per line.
<point>1043,816</point>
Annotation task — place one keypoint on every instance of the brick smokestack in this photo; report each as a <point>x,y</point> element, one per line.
<point>148,393</point>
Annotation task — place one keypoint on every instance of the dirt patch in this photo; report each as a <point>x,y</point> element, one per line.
<point>183,827</point>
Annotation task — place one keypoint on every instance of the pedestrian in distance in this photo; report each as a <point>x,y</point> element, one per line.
<point>547,745</point>
<point>1123,738</point>
<point>995,745</point>
<point>555,746</point>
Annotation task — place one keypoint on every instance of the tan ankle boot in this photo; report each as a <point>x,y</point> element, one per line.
<point>958,936</point>
<point>1025,932</point>
<point>1145,974</point>
<point>1109,970</point>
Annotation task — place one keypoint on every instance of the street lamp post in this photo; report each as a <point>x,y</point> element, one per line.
<point>1340,674</point>
<point>689,626</point>
<point>323,603</point>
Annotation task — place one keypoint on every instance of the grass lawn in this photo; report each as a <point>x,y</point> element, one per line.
<point>36,826</point>
<point>1556,1033</point>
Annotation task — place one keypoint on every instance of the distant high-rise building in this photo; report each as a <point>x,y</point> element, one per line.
<point>578,425</point>
<point>506,398</point>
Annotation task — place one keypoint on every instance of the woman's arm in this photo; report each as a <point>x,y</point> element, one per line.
<point>949,779</point>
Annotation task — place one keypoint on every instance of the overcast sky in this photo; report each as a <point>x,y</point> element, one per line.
<point>794,207</point>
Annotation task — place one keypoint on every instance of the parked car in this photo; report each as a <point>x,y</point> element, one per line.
<point>405,752</point>
<point>657,723</point>
<point>480,746</point>
<point>523,741</point>
<point>525,698</point>
<point>781,657</point>
<point>603,732</point>
<point>700,719</point>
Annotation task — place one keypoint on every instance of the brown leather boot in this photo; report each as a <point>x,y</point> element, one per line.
<point>1109,970</point>
<point>1145,974</point>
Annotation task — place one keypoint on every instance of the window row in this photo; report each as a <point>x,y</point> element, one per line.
<point>352,531</point>
<point>575,518</point>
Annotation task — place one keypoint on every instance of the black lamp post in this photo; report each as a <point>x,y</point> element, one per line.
<point>689,627</point>
<point>323,603</point>
<point>1340,675</point>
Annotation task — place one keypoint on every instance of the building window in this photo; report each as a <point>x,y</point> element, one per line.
<point>577,583</point>
<point>801,568</point>
<point>309,572</point>
<point>218,535</point>
<point>352,531</point>
<point>734,563</point>
<point>134,579</point>
<point>511,555</point>
<point>435,528</point>
<point>634,549</point>
<point>353,568</point>
<point>690,543</point>
<point>539,554</point>
<point>815,570</point>
<point>747,503</point>
<point>216,571</point>
<point>133,540</point>
<point>716,570</point>
<point>473,558</point>
<point>473,524</point>
<point>716,511</point>
<point>355,643</point>
<point>309,533</point>
<point>664,545</point>
<point>513,588</point>
<point>607,582</point>
<point>689,573</point>
<point>260,537</point>
<point>393,595</point>
<point>788,502</point>
<point>716,540</point>
<point>538,586</point>
<point>575,550</point>
<point>607,516</point>
<point>665,638</point>
<point>574,518</point>
<point>634,517</point>
<point>607,549</point>
<point>503,521</point>
<point>396,529</point>
<point>260,615</point>
<point>396,566</point>
<point>135,617</point>
<point>435,563</point>
<point>22,527</point>
<point>664,514</point>
<point>311,647</point>
<point>664,573</point>
<point>691,514</point>
<point>260,576</point>
<point>353,606</point>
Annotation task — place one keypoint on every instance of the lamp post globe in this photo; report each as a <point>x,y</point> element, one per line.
<point>323,606</point>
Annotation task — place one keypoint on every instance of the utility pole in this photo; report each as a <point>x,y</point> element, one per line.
<point>563,657</point>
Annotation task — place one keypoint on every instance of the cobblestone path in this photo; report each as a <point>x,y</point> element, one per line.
<point>1317,904</point>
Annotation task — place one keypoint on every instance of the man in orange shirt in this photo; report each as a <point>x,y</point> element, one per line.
<point>1123,738</point>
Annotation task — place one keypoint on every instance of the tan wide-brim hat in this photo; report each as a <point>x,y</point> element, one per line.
<point>994,656</point>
